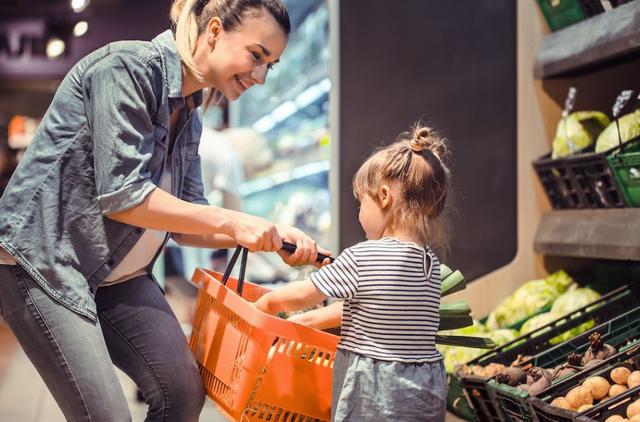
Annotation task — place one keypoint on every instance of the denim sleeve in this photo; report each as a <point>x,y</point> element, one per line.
<point>120,102</point>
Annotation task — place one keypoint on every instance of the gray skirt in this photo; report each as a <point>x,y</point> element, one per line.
<point>366,389</point>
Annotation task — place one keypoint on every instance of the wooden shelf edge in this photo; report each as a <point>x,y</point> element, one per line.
<point>601,38</point>
<point>601,233</point>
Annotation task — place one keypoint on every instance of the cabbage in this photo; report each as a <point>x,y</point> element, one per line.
<point>573,332</point>
<point>577,131</point>
<point>574,299</point>
<point>528,300</point>
<point>460,355</point>
<point>629,128</point>
<point>454,356</point>
<point>503,335</point>
<point>537,321</point>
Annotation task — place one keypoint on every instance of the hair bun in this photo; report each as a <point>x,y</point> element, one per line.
<point>422,137</point>
<point>419,139</point>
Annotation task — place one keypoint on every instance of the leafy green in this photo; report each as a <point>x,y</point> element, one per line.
<point>629,129</point>
<point>577,131</point>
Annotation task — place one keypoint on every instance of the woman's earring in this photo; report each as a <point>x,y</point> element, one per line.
<point>212,46</point>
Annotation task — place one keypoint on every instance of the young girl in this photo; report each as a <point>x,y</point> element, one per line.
<point>387,367</point>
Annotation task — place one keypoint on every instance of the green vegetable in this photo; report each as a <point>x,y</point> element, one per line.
<point>629,129</point>
<point>538,321</point>
<point>577,131</point>
<point>528,300</point>
<point>574,299</point>
<point>503,335</point>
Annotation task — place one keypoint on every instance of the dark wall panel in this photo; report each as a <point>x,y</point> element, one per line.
<point>453,65</point>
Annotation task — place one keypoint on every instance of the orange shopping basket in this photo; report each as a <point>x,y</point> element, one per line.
<point>256,366</point>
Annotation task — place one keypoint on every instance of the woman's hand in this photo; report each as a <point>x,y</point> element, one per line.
<point>254,233</point>
<point>306,248</point>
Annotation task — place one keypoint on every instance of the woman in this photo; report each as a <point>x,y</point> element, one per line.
<point>112,169</point>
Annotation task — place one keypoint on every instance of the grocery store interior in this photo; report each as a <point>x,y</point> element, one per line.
<point>539,101</point>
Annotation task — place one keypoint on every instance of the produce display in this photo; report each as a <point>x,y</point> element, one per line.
<point>529,299</point>
<point>602,387</point>
<point>557,292</point>
<point>577,131</point>
<point>629,129</point>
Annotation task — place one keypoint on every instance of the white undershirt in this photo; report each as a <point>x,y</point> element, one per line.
<point>6,258</point>
<point>139,258</point>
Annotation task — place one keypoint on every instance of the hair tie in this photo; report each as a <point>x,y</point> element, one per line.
<point>416,146</point>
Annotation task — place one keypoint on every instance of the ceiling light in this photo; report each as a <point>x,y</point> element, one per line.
<point>80,28</point>
<point>55,47</point>
<point>79,5</point>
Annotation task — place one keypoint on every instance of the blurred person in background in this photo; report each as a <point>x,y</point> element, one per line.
<point>112,170</point>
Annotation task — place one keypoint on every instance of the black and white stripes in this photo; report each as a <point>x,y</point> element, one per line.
<point>392,297</point>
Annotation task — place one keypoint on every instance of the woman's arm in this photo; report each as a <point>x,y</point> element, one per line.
<point>210,241</point>
<point>293,297</point>
<point>322,318</point>
<point>163,211</point>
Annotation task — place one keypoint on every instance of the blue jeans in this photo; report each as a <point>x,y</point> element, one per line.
<point>137,331</point>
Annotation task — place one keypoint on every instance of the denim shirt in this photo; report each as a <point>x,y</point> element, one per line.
<point>100,148</point>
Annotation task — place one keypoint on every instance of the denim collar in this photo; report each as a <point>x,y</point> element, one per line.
<point>173,65</point>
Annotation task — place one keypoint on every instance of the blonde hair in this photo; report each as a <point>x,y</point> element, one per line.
<point>190,19</point>
<point>415,164</point>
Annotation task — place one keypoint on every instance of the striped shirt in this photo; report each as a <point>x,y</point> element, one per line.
<point>391,292</point>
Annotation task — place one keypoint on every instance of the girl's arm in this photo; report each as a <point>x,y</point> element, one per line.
<point>322,318</point>
<point>293,297</point>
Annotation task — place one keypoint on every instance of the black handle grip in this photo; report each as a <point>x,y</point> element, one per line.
<point>291,248</point>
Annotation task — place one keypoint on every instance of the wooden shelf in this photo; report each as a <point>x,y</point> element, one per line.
<point>611,35</point>
<point>598,233</point>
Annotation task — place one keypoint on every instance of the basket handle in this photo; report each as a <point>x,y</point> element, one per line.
<point>289,247</point>
<point>243,267</point>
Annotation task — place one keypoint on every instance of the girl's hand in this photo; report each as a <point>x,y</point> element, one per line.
<point>255,233</point>
<point>306,248</point>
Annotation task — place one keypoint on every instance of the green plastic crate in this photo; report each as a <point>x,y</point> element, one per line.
<point>561,13</point>
<point>625,166</point>
<point>457,402</point>
<point>513,403</point>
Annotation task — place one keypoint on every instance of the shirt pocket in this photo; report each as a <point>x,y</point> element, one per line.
<point>191,150</point>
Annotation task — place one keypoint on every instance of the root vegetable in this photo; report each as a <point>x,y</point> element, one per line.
<point>562,403</point>
<point>633,409</point>
<point>564,372</point>
<point>593,362</point>
<point>617,389</point>
<point>584,407</point>
<point>598,385</point>
<point>512,376</point>
<point>579,396</point>
<point>598,349</point>
<point>633,379</point>
<point>539,386</point>
<point>636,418</point>
<point>614,418</point>
<point>620,374</point>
